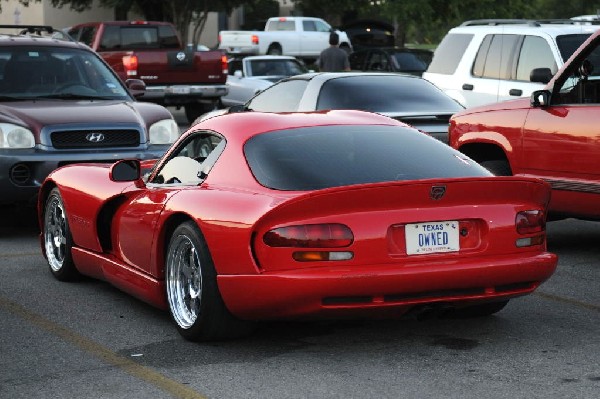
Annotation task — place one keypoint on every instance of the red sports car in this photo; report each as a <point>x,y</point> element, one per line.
<point>256,216</point>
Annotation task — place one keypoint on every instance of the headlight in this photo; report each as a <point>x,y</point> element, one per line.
<point>13,136</point>
<point>164,132</point>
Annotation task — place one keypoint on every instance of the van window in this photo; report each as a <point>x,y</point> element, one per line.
<point>449,52</point>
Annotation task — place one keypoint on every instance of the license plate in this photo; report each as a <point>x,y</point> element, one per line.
<point>180,90</point>
<point>432,237</point>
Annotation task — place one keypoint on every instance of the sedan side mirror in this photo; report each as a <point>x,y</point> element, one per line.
<point>540,75</point>
<point>540,98</point>
<point>126,170</point>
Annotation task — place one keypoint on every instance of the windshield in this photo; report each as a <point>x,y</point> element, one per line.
<point>329,156</point>
<point>567,44</point>
<point>55,72</point>
<point>385,93</point>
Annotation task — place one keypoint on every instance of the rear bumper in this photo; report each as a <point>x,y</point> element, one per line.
<point>22,172</point>
<point>182,94</point>
<point>382,291</point>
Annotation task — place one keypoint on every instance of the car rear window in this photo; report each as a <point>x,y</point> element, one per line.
<point>448,54</point>
<point>385,94</point>
<point>330,156</point>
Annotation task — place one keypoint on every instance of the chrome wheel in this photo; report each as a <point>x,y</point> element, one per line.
<point>55,233</point>
<point>184,281</point>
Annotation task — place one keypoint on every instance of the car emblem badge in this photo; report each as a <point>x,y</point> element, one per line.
<point>94,137</point>
<point>181,56</point>
<point>437,192</point>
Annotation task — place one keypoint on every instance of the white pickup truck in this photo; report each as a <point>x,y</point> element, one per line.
<point>302,37</point>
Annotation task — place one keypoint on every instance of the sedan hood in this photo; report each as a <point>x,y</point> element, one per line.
<point>37,114</point>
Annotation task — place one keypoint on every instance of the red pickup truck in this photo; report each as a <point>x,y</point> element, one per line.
<point>554,135</point>
<point>152,51</point>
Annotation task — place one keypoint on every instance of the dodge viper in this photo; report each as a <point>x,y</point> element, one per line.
<point>332,214</point>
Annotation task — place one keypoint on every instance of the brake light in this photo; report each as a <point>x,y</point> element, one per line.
<point>282,19</point>
<point>224,64</point>
<point>254,39</point>
<point>138,23</point>
<point>328,235</point>
<point>529,222</point>
<point>130,63</point>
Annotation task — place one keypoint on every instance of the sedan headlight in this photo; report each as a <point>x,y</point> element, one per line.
<point>164,132</point>
<point>13,136</point>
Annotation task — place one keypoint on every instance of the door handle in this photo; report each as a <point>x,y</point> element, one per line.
<point>467,86</point>
<point>515,92</point>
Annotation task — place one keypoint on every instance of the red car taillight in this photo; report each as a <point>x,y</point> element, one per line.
<point>254,39</point>
<point>224,64</point>
<point>130,63</point>
<point>530,222</point>
<point>328,235</point>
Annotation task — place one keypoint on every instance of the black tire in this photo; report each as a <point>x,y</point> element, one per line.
<point>57,238</point>
<point>481,310</point>
<point>274,49</point>
<point>193,296</point>
<point>498,167</point>
<point>194,110</point>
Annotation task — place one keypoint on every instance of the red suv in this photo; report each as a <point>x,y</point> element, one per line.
<point>554,135</point>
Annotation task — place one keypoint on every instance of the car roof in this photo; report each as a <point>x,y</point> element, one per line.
<point>324,76</point>
<point>36,35</point>
<point>243,125</point>
<point>560,27</point>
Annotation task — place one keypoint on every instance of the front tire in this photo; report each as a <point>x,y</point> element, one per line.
<point>195,302</point>
<point>57,238</point>
<point>498,167</point>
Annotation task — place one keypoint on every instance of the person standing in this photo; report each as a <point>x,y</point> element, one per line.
<point>333,58</point>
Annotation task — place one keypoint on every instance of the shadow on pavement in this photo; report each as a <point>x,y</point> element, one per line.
<point>16,220</point>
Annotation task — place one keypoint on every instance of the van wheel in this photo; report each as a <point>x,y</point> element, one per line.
<point>498,167</point>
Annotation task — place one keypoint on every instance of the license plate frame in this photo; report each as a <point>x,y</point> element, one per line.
<point>432,237</point>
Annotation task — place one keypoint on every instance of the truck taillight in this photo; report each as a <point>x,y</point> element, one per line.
<point>530,222</point>
<point>327,235</point>
<point>130,63</point>
<point>254,39</point>
<point>224,64</point>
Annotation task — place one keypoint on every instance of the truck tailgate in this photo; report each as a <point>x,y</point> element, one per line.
<point>180,67</point>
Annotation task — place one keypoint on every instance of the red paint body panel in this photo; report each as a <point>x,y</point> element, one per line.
<point>558,142</point>
<point>234,211</point>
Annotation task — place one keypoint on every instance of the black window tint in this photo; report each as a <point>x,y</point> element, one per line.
<point>74,33</point>
<point>281,97</point>
<point>449,52</point>
<point>481,56</point>
<point>498,64</point>
<point>409,62</point>
<point>168,37</point>
<point>329,156</point>
<point>391,93</point>
<point>87,34</point>
<point>535,53</point>
<point>111,38</point>
<point>139,37</point>
<point>567,44</point>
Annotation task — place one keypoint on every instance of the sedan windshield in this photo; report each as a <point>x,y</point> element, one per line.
<point>385,94</point>
<point>329,156</point>
<point>55,72</point>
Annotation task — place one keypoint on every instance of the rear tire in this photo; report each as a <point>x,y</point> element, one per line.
<point>498,167</point>
<point>57,238</point>
<point>195,110</point>
<point>482,310</point>
<point>193,296</point>
<point>274,49</point>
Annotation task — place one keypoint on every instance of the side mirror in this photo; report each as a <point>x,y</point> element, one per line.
<point>540,98</point>
<point>137,87</point>
<point>125,170</point>
<point>540,75</point>
<point>238,74</point>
